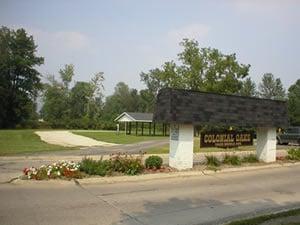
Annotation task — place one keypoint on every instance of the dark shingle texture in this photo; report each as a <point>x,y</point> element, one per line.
<point>141,116</point>
<point>184,106</point>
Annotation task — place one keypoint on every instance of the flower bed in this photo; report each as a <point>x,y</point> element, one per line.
<point>117,164</point>
<point>61,169</point>
<point>123,164</point>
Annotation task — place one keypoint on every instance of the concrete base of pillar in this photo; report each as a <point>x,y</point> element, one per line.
<point>181,146</point>
<point>266,144</point>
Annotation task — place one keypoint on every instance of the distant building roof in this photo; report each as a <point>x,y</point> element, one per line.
<point>134,117</point>
<point>203,108</point>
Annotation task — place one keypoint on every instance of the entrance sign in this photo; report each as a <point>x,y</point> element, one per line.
<point>228,139</point>
<point>188,108</point>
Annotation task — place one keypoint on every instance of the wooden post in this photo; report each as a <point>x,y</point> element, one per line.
<point>136,128</point>
<point>154,129</point>
<point>142,128</point>
<point>149,129</point>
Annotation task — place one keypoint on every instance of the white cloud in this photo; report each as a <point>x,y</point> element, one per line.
<point>192,31</point>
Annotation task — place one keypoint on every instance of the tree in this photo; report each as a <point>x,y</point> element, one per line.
<point>271,88</point>
<point>19,79</point>
<point>123,99</point>
<point>55,109</point>
<point>80,96</point>
<point>66,74</point>
<point>78,107</point>
<point>248,88</point>
<point>294,103</point>
<point>203,69</point>
<point>95,104</point>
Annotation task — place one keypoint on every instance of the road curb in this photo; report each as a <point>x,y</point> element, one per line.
<point>156,176</point>
<point>181,174</point>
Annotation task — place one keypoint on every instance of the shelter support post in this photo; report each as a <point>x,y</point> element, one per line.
<point>136,128</point>
<point>266,144</point>
<point>181,146</point>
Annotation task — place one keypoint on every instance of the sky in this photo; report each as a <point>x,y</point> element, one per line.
<point>123,38</point>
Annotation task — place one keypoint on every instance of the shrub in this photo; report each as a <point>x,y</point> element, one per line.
<point>117,163</point>
<point>95,167</point>
<point>124,163</point>
<point>251,158</point>
<point>232,160</point>
<point>294,154</point>
<point>212,161</point>
<point>153,162</point>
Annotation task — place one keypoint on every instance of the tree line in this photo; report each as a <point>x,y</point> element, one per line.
<point>83,105</point>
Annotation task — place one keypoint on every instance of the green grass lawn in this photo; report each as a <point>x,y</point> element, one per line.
<point>165,149</point>
<point>121,138</point>
<point>23,141</point>
<point>283,216</point>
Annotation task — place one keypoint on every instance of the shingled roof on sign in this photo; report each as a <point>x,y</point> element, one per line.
<point>185,106</point>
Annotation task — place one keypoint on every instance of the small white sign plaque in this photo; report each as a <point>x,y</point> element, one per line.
<point>174,132</point>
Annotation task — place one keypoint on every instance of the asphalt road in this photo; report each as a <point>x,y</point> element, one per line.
<point>210,199</point>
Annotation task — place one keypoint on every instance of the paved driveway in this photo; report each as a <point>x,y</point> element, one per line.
<point>210,199</point>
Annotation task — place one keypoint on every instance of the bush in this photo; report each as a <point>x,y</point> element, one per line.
<point>294,154</point>
<point>95,167</point>
<point>117,163</point>
<point>153,162</point>
<point>212,161</point>
<point>232,160</point>
<point>251,158</point>
<point>124,163</point>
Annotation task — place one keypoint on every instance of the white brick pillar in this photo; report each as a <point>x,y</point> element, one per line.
<point>181,146</point>
<point>266,144</point>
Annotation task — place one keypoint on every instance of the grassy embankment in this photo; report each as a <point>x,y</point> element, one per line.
<point>24,141</point>
<point>112,137</point>
<point>290,217</point>
<point>14,142</point>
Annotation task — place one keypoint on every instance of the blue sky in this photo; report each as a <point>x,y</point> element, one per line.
<point>124,38</point>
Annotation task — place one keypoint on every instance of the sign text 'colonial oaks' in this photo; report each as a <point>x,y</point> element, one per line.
<point>226,139</point>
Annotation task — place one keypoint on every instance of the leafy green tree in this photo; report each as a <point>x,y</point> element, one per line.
<point>248,88</point>
<point>19,79</point>
<point>80,96</point>
<point>271,88</point>
<point>123,99</point>
<point>203,69</point>
<point>147,101</point>
<point>95,104</point>
<point>66,74</point>
<point>78,107</point>
<point>294,103</point>
<point>55,109</point>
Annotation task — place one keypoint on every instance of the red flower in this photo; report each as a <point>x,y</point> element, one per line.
<point>25,171</point>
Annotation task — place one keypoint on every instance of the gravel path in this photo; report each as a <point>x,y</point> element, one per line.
<point>68,139</point>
